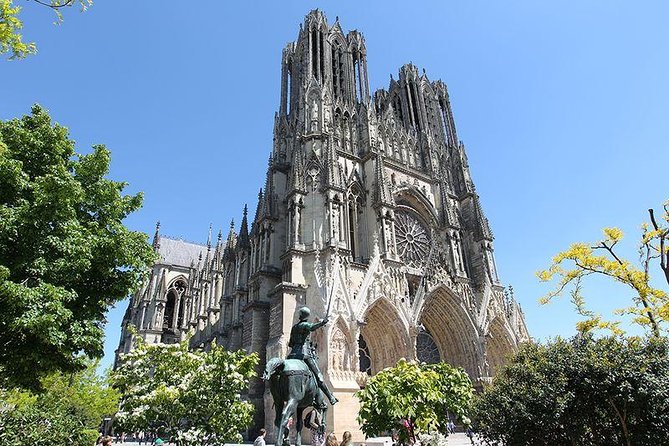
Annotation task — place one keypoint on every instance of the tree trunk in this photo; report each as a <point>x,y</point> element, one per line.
<point>623,422</point>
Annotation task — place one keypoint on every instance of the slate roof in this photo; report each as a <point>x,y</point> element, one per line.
<point>180,252</point>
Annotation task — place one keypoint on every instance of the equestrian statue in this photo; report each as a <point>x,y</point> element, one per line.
<point>296,382</point>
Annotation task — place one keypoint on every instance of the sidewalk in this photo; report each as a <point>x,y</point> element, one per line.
<point>458,439</point>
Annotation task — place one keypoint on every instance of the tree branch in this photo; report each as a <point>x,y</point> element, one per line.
<point>623,422</point>
<point>653,323</point>
<point>55,5</point>
<point>662,236</point>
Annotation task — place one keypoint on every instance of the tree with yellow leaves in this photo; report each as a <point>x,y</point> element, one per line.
<point>650,306</point>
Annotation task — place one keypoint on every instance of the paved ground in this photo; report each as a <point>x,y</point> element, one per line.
<point>458,439</point>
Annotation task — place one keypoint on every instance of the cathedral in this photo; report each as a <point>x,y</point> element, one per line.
<point>368,214</point>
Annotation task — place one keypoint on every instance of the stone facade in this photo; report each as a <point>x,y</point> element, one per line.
<point>369,209</point>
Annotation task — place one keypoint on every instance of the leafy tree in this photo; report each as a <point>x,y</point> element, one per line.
<point>414,398</point>
<point>69,410</point>
<point>65,255</point>
<point>192,396</point>
<point>11,40</point>
<point>650,306</point>
<point>582,391</point>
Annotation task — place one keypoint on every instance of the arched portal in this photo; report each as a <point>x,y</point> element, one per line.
<point>499,344</point>
<point>451,329</point>
<point>385,336</point>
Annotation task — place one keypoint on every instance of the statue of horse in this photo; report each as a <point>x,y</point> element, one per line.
<point>293,388</point>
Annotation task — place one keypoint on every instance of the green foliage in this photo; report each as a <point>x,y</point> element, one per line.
<point>10,37</point>
<point>414,398</point>
<point>192,396</point>
<point>582,391</point>
<point>11,40</point>
<point>65,255</point>
<point>67,411</point>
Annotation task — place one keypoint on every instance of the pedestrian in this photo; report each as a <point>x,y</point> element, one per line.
<point>395,438</point>
<point>470,433</point>
<point>260,440</point>
<point>106,441</point>
<point>314,422</point>
<point>331,440</point>
<point>451,427</point>
<point>345,439</point>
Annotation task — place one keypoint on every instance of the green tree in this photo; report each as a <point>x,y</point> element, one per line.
<point>582,391</point>
<point>650,305</point>
<point>11,40</point>
<point>68,410</point>
<point>414,398</point>
<point>191,396</point>
<point>65,255</point>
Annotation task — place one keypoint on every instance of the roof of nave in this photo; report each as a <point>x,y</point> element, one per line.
<point>180,252</point>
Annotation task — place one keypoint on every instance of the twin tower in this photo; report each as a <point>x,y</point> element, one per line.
<point>368,209</point>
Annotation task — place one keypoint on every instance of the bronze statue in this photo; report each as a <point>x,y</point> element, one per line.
<point>299,340</point>
<point>296,382</point>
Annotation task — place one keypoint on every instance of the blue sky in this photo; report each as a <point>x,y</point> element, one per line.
<point>562,106</point>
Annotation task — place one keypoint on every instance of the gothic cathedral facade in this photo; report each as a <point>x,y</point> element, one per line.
<point>368,211</point>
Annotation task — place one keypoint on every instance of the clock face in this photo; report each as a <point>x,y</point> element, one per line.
<point>413,239</point>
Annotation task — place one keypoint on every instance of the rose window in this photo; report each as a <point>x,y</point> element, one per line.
<point>413,241</point>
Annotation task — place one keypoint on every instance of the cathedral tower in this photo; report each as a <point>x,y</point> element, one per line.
<point>369,211</point>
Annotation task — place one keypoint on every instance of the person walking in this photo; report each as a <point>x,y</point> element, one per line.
<point>346,439</point>
<point>331,440</point>
<point>260,440</point>
<point>313,422</point>
<point>470,433</point>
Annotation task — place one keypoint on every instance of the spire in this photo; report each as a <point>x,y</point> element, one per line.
<point>382,195</point>
<point>331,167</point>
<point>207,258</point>
<point>243,239</point>
<point>156,238</point>
<point>218,250</point>
<point>268,202</point>
<point>259,206</point>
<point>482,229</point>
<point>296,180</point>
<point>230,243</point>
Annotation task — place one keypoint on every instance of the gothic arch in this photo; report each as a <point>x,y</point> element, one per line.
<point>336,38</point>
<point>174,305</point>
<point>179,278</point>
<point>413,198</point>
<point>385,334</point>
<point>499,344</point>
<point>451,327</point>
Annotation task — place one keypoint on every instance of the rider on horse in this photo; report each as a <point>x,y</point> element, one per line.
<point>301,348</point>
